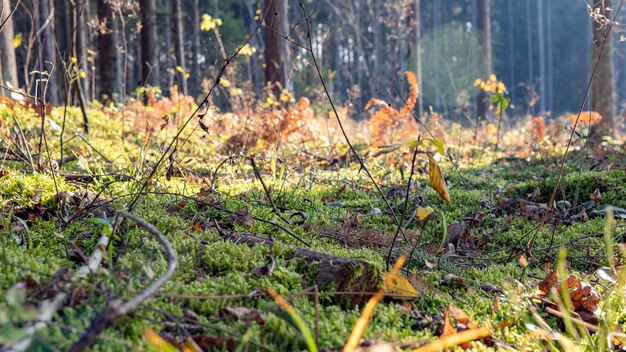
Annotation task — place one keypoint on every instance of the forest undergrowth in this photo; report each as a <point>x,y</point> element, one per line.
<point>262,231</point>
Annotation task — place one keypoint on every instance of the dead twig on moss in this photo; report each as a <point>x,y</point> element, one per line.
<point>117,308</point>
<point>48,308</point>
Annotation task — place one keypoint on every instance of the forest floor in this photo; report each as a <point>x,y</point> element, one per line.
<point>306,223</point>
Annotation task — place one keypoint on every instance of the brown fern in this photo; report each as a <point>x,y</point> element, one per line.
<point>386,122</point>
<point>537,128</point>
<point>414,92</point>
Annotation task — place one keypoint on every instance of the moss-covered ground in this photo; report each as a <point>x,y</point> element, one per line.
<point>336,209</point>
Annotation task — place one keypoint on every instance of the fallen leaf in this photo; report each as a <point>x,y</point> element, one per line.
<point>436,179</point>
<point>461,317</point>
<point>453,280</point>
<point>397,285</point>
<point>596,196</point>
<point>243,314</point>
<point>446,328</point>
<point>424,213</point>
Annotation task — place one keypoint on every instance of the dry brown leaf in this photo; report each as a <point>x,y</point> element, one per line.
<point>447,328</point>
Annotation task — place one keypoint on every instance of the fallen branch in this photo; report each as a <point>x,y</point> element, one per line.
<point>117,307</point>
<point>48,308</point>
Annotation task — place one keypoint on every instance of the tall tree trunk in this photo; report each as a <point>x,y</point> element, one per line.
<point>276,47</point>
<point>110,63</point>
<point>511,51</point>
<point>196,72</point>
<point>166,63</point>
<point>417,12</point>
<point>82,45</point>
<point>62,29</point>
<point>179,45</point>
<point>529,37</point>
<point>7,51</point>
<point>603,84</point>
<point>78,45</point>
<point>149,43</point>
<point>378,49</point>
<point>47,56</point>
<point>549,73</point>
<point>543,96</point>
<point>483,13</point>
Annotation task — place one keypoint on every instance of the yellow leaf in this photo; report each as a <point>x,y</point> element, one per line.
<point>397,285</point>
<point>424,213</point>
<point>436,179</point>
<point>179,69</point>
<point>157,342</point>
<point>224,82</point>
<point>17,40</point>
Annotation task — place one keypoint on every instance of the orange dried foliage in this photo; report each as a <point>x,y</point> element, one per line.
<point>537,128</point>
<point>386,121</point>
<point>268,126</point>
<point>587,118</point>
<point>583,296</point>
<point>157,114</point>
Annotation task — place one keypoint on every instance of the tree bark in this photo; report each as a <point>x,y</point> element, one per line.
<point>483,11</point>
<point>276,47</point>
<point>149,67</point>
<point>603,84</point>
<point>108,53</point>
<point>417,13</point>
<point>62,29</point>
<point>529,37</point>
<point>543,95</point>
<point>196,72</point>
<point>82,45</point>
<point>46,56</point>
<point>179,45</point>
<point>7,51</point>
<point>331,273</point>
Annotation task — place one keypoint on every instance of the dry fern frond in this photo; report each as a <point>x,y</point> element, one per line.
<point>413,94</point>
<point>587,118</point>
<point>537,128</point>
<point>388,121</point>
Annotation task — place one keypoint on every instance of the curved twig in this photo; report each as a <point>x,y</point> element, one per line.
<point>117,307</point>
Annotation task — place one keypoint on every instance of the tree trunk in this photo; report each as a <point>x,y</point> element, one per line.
<point>483,12</point>
<point>179,45</point>
<point>359,276</point>
<point>511,51</point>
<point>110,63</point>
<point>549,73</point>
<point>276,47</point>
<point>529,37</point>
<point>418,56</point>
<point>46,56</point>
<point>149,67</point>
<point>167,35</point>
<point>82,45</point>
<point>543,96</point>
<point>62,30</point>
<point>603,84</point>
<point>7,51</point>
<point>196,72</point>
